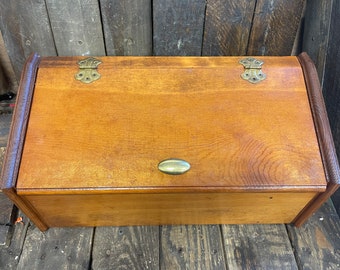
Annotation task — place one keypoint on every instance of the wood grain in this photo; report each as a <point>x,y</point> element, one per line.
<point>178,27</point>
<point>25,32</point>
<point>316,32</point>
<point>138,208</point>
<point>227,27</point>
<point>191,247</point>
<point>274,28</point>
<point>127,27</point>
<point>18,127</point>
<point>61,251</point>
<point>316,243</point>
<point>147,117</point>
<point>12,159</point>
<point>126,248</point>
<point>76,27</point>
<point>327,148</point>
<point>257,247</point>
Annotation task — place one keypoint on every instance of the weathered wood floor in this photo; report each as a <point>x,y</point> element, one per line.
<point>316,245</point>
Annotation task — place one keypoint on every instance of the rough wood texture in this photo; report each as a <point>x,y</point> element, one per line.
<point>274,28</point>
<point>76,27</point>
<point>316,243</point>
<point>26,29</point>
<point>5,123</point>
<point>8,78</point>
<point>127,27</point>
<point>316,32</point>
<point>257,247</point>
<point>10,254</point>
<point>331,84</point>
<point>126,248</point>
<point>227,27</point>
<point>191,247</point>
<point>4,232</point>
<point>178,27</point>
<point>61,251</point>
<point>6,210</point>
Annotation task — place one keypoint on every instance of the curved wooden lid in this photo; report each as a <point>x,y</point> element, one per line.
<point>110,135</point>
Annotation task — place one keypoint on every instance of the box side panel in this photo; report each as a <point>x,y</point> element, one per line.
<point>324,135</point>
<point>156,209</point>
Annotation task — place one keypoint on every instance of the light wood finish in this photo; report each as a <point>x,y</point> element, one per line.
<point>111,134</point>
<point>92,150</point>
<point>327,149</point>
<point>175,208</point>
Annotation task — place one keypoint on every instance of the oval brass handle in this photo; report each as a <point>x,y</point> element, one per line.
<point>174,166</point>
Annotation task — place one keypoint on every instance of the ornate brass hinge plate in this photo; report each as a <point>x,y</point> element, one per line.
<point>252,70</point>
<point>88,70</point>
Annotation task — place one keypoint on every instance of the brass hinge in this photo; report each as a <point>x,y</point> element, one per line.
<point>88,70</point>
<point>252,70</point>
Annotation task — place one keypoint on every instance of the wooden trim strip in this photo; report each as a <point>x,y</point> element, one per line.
<point>325,138</point>
<point>17,133</point>
<point>19,123</point>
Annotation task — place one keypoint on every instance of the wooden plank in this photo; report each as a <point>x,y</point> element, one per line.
<point>331,83</point>
<point>4,234</point>
<point>5,123</point>
<point>316,32</point>
<point>127,26</point>
<point>191,247</point>
<point>316,243</point>
<point>275,25</point>
<point>126,248</point>
<point>76,27</point>
<point>178,27</point>
<point>6,210</point>
<point>10,254</point>
<point>258,247</point>
<point>8,79</point>
<point>227,27</point>
<point>25,32</point>
<point>58,248</point>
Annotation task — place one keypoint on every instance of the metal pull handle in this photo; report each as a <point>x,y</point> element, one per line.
<point>174,166</point>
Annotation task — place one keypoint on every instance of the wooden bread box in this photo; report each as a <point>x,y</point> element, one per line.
<point>112,141</point>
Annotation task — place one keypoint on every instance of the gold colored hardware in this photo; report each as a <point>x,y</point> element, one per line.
<point>174,166</point>
<point>88,70</point>
<point>252,70</point>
